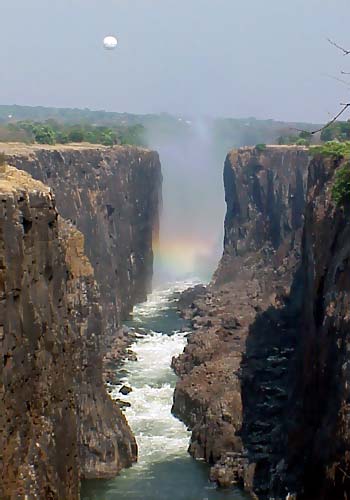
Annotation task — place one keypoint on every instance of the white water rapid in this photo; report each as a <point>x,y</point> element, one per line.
<point>164,471</point>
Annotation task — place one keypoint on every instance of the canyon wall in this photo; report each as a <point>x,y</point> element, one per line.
<point>265,376</point>
<point>317,430</point>
<point>265,196</point>
<point>60,309</point>
<point>113,196</point>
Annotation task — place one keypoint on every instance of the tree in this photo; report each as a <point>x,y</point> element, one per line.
<point>43,134</point>
<point>76,135</point>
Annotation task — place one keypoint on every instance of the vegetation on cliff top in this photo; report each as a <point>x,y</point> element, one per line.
<point>341,186</point>
<point>260,147</point>
<point>333,149</point>
<point>53,132</point>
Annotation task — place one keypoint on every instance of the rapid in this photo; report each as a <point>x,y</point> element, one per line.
<point>165,471</point>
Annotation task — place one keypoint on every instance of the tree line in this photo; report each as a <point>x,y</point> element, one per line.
<point>53,132</point>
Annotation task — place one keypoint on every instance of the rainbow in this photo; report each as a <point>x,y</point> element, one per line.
<point>183,256</point>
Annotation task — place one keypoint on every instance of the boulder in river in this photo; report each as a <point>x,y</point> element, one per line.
<point>125,390</point>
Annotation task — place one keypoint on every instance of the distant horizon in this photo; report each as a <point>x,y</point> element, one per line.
<point>166,113</point>
<point>197,57</point>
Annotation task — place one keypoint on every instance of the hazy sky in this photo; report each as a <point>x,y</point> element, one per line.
<point>264,58</point>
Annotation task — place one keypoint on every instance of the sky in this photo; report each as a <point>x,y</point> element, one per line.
<point>263,58</point>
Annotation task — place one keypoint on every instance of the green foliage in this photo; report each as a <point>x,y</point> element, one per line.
<point>337,131</point>
<point>44,134</point>
<point>303,139</point>
<point>133,135</point>
<point>307,136</point>
<point>51,132</point>
<point>302,142</point>
<point>76,135</point>
<point>332,149</point>
<point>260,147</point>
<point>341,186</point>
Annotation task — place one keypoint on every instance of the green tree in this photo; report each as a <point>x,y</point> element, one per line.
<point>44,134</point>
<point>341,186</point>
<point>76,135</point>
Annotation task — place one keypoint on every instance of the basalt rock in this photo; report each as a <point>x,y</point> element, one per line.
<point>317,432</point>
<point>57,423</point>
<point>112,195</point>
<point>295,373</point>
<point>265,196</point>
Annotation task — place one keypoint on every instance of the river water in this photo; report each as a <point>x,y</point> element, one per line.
<point>164,471</point>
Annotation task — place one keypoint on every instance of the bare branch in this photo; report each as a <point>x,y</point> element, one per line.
<point>345,72</point>
<point>340,80</point>
<point>345,107</point>
<point>345,51</point>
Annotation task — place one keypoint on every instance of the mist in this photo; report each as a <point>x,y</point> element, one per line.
<point>191,225</point>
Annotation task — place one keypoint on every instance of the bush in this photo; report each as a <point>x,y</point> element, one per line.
<point>302,142</point>
<point>338,130</point>
<point>341,186</point>
<point>76,135</point>
<point>333,149</point>
<point>44,134</point>
<point>260,147</point>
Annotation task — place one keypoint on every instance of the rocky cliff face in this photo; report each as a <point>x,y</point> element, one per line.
<point>265,377</point>
<point>265,196</point>
<point>56,420</point>
<point>112,195</point>
<point>318,430</point>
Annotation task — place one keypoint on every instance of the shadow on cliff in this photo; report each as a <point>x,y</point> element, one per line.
<point>295,421</point>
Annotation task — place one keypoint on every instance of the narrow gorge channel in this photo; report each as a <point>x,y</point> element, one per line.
<point>164,470</point>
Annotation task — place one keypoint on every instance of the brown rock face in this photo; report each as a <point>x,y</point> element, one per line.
<point>56,420</point>
<point>265,196</point>
<point>113,197</point>
<point>106,444</point>
<point>318,431</point>
<point>295,375</point>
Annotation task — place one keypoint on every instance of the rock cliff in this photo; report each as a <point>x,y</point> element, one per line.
<point>112,195</point>
<point>265,376</point>
<point>315,464</point>
<point>265,196</point>
<point>57,423</point>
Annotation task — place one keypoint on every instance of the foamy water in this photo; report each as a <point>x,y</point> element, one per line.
<point>164,470</point>
<point>159,435</point>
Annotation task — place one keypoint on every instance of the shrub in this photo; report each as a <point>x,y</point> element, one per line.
<point>341,186</point>
<point>260,147</point>
<point>43,134</point>
<point>302,142</point>
<point>334,149</point>
<point>338,130</point>
<point>76,135</point>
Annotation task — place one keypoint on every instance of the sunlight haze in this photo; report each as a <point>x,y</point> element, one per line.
<point>222,58</point>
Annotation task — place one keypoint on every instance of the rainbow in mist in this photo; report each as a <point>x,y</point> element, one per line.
<point>182,257</point>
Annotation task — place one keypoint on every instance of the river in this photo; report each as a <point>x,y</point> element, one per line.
<point>164,471</point>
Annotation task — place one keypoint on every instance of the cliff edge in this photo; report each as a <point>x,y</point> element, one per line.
<point>113,196</point>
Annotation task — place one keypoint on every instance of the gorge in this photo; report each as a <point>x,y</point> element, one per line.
<point>262,382</point>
